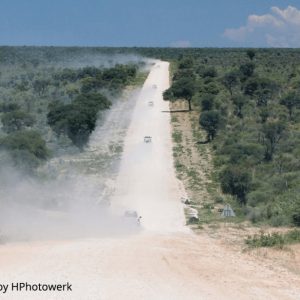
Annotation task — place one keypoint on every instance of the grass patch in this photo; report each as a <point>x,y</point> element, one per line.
<point>180,168</point>
<point>174,119</point>
<point>139,79</point>
<point>274,239</point>
<point>178,150</point>
<point>177,137</point>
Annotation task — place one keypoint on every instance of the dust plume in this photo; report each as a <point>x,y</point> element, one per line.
<point>70,197</point>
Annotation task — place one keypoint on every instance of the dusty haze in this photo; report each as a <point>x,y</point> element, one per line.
<point>70,198</point>
<point>161,261</point>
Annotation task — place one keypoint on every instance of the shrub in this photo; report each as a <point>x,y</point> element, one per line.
<point>256,197</point>
<point>210,121</point>
<point>9,107</point>
<point>209,72</point>
<point>274,239</point>
<point>16,120</point>
<point>78,119</point>
<point>296,217</point>
<point>247,69</point>
<point>207,102</point>
<point>265,240</point>
<point>27,148</point>
<point>236,182</point>
<point>219,200</point>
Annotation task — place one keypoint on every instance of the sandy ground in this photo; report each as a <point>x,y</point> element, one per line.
<point>146,180</point>
<point>162,261</point>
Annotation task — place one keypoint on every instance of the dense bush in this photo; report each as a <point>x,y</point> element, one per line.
<point>16,120</point>
<point>72,80</point>
<point>236,182</point>
<point>27,148</point>
<point>254,91</point>
<point>78,119</point>
<point>248,102</point>
<point>207,102</point>
<point>291,101</point>
<point>210,121</point>
<point>296,216</point>
<point>274,239</point>
<point>183,88</point>
<point>93,79</point>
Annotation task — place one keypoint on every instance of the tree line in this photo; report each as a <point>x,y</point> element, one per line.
<point>39,97</point>
<point>249,107</point>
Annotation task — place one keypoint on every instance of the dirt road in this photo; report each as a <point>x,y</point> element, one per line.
<point>162,261</point>
<point>146,179</point>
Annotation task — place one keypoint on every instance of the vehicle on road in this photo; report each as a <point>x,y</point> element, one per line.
<point>147,139</point>
<point>132,217</point>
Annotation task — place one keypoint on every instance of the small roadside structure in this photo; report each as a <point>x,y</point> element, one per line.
<point>227,211</point>
<point>147,139</point>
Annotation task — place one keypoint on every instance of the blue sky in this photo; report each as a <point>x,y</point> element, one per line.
<point>197,23</point>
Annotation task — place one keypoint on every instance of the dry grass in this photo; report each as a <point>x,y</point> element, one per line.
<point>193,163</point>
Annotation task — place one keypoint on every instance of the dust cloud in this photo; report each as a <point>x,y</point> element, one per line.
<point>70,197</point>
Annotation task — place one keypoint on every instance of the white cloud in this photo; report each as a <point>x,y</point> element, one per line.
<point>279,28</point>
<point>181,44</point>
<point>290,14</point>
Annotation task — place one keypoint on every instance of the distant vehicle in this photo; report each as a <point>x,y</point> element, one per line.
<point>131,214</point>
<point>154,86</point>
<point>132,217</point>
<point>147,139</point>
<point>150,103</point>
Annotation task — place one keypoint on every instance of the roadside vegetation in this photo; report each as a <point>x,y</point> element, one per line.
<point>51,98</point>
<point>247,106</point>
<point>275,239</point>
<point>242,106</point>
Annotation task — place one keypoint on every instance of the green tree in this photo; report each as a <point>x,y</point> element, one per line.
<point>27,148</point>
<point>291,101</point>
<point>40,86</point>
<point>296,216</point>
<point>236,182</point>
<point>89,84</point>
<point>247,69</point>
<point>239,101</point>
<point>78,119</point>
<point>264,114</point>
<point>251,54</point>
<point>184,88</point>
<point>186,63</point>
<point>230,80</point>
<point>263,96</point>
<point>8,107</point>
<point>184,73</point>
<point>26,140</point>
<point>210,121</point>
<point>209,72</point>
<point>260,86</point>
<point>207,102</point>
<point>16,120</point>
<point>272,133</point>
